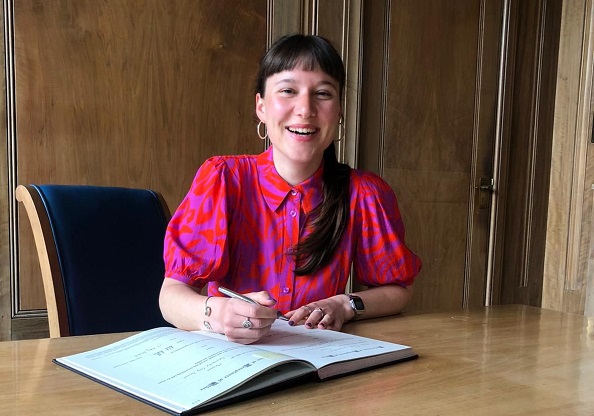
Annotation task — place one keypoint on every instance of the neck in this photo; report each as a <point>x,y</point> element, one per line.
<point>295,173</point>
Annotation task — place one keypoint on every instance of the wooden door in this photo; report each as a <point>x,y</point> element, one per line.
<point>428,124</point>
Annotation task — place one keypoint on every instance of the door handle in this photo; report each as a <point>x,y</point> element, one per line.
<point>487,184</point>
<point>486,188</point>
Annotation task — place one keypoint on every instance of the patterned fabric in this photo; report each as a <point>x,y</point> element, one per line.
<point>237,223</point>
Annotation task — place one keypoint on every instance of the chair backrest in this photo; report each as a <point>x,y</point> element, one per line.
<point>101,255</point>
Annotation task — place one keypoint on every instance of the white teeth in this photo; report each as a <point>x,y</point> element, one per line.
<point>302,131</point>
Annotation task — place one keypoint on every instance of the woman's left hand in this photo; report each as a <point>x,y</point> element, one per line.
<point>330,313</point>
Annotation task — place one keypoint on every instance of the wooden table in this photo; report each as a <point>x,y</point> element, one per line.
<point>504,360</point>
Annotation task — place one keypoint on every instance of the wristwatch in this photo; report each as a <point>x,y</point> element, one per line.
<point>357,305</point>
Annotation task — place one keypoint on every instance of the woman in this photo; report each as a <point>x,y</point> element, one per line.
<point>284,227</point>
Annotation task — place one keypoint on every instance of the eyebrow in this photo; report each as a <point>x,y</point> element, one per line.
<point>292,80</point>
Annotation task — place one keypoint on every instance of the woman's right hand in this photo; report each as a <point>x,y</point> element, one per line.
<point>184,307</point>
<point>246,323</point>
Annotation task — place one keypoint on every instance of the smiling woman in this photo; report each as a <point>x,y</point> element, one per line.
<point>288,226</point>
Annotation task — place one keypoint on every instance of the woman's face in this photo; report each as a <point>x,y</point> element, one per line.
<point>301,110</point>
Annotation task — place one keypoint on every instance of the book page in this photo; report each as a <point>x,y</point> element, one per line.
<point>324,347</point>
<point>176,369</point>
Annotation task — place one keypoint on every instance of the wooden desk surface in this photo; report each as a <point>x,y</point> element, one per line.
<point>504,360</point>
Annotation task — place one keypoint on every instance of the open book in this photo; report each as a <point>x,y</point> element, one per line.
<point>185,372</point>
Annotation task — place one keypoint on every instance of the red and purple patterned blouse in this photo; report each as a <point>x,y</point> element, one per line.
<point>240,219</point>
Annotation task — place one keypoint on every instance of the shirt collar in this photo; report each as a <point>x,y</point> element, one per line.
<point>275,189</point>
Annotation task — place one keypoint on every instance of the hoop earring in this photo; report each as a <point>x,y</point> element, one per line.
<point>265,131</point>
<point>340,127</point>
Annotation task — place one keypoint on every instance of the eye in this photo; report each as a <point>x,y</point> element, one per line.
<point>324,94</point>
<point>286,91</point>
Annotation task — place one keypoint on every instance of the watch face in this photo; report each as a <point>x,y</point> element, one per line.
<point>358,303</point>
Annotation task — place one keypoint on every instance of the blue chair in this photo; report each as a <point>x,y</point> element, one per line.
<point>101,255</point>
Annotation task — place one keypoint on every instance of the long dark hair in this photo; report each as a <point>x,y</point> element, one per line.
<point>331,217</point>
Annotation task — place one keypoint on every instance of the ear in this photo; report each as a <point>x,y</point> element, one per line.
<point>260,110</point>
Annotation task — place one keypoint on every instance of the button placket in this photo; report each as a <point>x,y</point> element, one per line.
<point>292,209</point>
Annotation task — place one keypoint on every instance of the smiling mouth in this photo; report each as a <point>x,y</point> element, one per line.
<point>302,132</point>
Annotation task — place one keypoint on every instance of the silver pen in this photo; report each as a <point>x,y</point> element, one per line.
<point>236,295</point>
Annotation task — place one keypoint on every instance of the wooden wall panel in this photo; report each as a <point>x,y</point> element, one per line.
<point>569,266</point>
<point>5,302</point>
<point>133,93</point>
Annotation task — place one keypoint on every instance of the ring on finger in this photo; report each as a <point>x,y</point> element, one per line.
<point>309,310</point>
<point>321,311</point>
<point>247,323</point>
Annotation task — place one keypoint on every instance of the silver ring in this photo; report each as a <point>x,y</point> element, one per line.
<point>309,310</point>
<point>320,310</point>
<point>247,323</point>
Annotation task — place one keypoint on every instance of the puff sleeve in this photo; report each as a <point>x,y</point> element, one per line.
<point>195,246</point>
<point>382,256</point>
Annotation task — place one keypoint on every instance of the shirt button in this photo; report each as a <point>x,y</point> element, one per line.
<point>293,213</point>
<point>286,290</point>
<point>293,192</point>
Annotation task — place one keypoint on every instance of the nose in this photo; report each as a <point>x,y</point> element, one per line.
<point>305,106</point>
